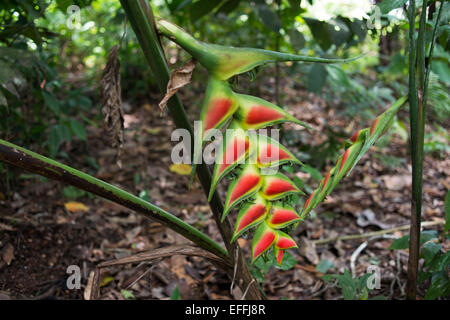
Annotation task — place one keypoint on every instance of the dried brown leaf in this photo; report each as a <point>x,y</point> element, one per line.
<point>178,79</point>
<point>8,253</point>
<point>111,101</point>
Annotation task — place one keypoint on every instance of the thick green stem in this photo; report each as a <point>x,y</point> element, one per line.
<point>33,162</point>
<point>418,83</point>
<point>141,18</point>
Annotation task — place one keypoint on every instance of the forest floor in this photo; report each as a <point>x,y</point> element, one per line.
<point>40,237</point>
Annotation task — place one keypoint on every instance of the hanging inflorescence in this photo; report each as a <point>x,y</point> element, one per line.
<point>261,193</point>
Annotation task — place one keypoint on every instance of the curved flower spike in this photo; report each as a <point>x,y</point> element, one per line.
<point>282,216</point>
<point>235,147</point>
<point>278,186</point>
<point>270,153</point>
<point>246,185</point>
<point>263,239</point>
<point>224,62</point>
<point>256,113</point>
<point>282,243</point>
<point>251,214</point>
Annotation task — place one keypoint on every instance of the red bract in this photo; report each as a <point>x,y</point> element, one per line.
<point>251,214</point>
<point>217,110</point>
<point>270,153</point>
<point>256,113</point>
<point>277,186</point>
<point>235,147</point>
<point>282,216</point>
<point>248,182</point>
<point>262,240</point>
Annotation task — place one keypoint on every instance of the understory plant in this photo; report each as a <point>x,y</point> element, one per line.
<point>262,194</point>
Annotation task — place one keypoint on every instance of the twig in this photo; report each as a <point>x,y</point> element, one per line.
<point>375,233</point>
<point>355,256</point>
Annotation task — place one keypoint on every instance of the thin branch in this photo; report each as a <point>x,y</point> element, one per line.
<point>372,234</point>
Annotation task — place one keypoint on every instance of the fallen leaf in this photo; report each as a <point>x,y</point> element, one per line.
<point>397,182</point>
<point>153,131</point>
<point>8,253</point>
<point>75,206</point>
<point>106,280</point>
<point>178,79</point>
<point>181,168</point>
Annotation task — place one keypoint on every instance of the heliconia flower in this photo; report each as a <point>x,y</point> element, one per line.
<point>278,186</point>
<point>224,62</point>
<point>282,243</point>
<point>270,153</point>
<point>235,147</point>
<point>256,113</point>
<point>246,185</point>
<point>263,239</point>
<point>250,215</point>
<point>281,216</point>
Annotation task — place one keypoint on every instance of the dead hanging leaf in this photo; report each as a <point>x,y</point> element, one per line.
<point>111,101</point>
<point>181,168</point>
<point>178,79</point>
<point>75,206</point>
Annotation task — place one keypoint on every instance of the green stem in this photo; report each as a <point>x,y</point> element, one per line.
<point>33,162</point>
<point>140,15</point>
<point>418,114</point>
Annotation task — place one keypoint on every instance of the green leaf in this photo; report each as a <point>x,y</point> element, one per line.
<point>128,295</point>
<point>228,6</point>
<point>440,286</point>
<point>201,8</point>
<point>175,295</point>
<point>73,193</point>
<point>317,77</point>
<point>403,242</point>
<point>52,103</point>
<point>320,32</point>
<point>269,18</point>
<point>288,261</point>
<point>297,39</point>
<point>78,128</point>
<point>324,265</point>
<point>388,5</point>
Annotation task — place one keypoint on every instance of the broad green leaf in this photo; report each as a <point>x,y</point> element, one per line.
<point>228,6</point>
<point>317,77</point>
<point>78,128</point>
<point>403,242</point>
<point>388,5</point>
<point>201,8</point>
<point>269,18</point>
<point>297,39</point>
